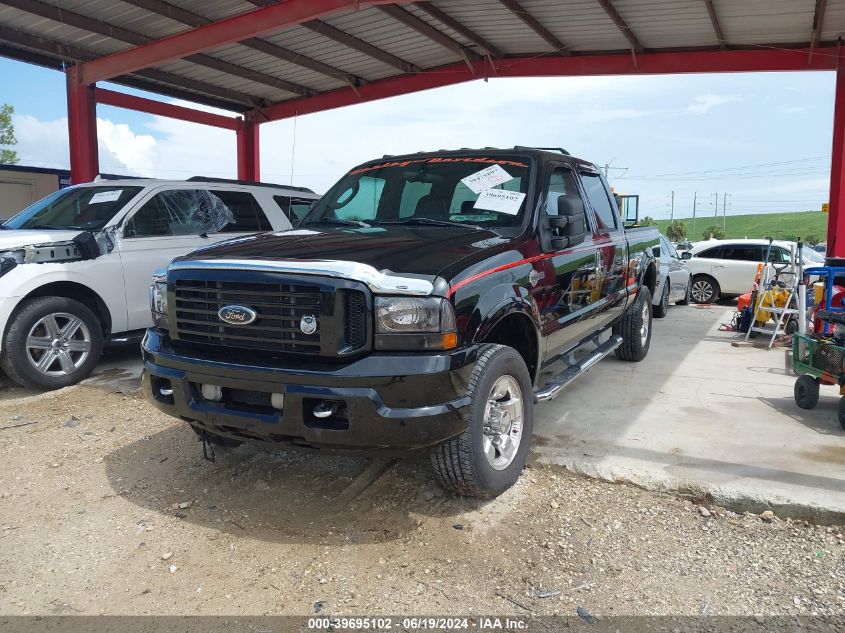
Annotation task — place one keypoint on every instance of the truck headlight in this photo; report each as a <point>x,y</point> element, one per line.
<point>158,300</point>
<point>409,323</point>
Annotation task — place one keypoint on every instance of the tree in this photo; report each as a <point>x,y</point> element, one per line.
<point>7,135</point>
<point>714,232</point>
<point>647,221</point>
<point>676,231</point>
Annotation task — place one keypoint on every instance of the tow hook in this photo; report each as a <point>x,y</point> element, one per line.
<point>325,409</point>
<point>207,447</point>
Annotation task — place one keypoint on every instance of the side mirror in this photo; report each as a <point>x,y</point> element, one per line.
<point>655,251</point>
<point>686,255</point>
<point>569,226</point>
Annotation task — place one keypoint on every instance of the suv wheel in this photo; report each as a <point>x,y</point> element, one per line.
<point>635,328</point>
<point>662,308</point>
<point>487,458</point>
<point>52,342</point>
<point>704,289</point>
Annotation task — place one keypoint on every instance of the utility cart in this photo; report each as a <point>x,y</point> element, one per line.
<point>819,359</point>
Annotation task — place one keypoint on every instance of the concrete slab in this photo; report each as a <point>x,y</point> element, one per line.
<point>701,417</point>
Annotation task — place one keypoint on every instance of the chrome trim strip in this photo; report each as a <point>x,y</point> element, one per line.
<point>378,282</point>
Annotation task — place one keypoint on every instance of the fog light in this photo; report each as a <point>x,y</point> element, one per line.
<point>212,392</point>
<point>277,401</point>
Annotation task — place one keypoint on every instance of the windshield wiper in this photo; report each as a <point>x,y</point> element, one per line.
<point>430,222</point>
<point>46,226</point>
<point>338,221</point>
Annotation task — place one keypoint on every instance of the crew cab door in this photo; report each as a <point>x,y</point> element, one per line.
<point>570,297</point>
<point>609,242</point>
<point>168,224</point>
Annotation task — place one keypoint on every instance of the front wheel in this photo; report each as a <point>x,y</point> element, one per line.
<point>52,342</point>
<point>635,328</point>
<point>687,295</point>
<point>806,392</point>
<point>487,458</point>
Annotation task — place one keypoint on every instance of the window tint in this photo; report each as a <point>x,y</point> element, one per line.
<point>561,183</point>
<point>597,196</point>
<point>294,208</point>
<point>742,252</point>
<point>778,254</point>
<point>249,217</point>
<point>711,253</point>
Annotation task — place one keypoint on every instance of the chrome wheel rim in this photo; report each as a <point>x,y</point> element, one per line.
<point>58,344</point>
<point>701,291</point>
<point>644,325</point>
<point>503,422</point>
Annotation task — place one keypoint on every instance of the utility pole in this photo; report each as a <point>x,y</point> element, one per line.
<point>716,211</point>
<point>694,202</point>
<point>725,212</point>
<point>671,206</point>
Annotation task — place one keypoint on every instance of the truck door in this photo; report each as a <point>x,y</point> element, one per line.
<point>569,298</point>
<point>611,247</point>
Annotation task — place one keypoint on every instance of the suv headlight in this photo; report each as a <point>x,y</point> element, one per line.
<point>413,323</point>
<point>158,300</point>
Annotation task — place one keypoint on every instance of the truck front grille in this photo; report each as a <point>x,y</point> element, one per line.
<point>280,308</point>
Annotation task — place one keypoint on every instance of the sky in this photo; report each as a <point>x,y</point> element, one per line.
<point>757,142</point>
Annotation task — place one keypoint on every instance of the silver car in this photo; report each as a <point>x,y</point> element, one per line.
<point>674,281</point>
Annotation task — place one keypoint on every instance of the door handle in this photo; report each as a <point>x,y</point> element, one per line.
<point>718,266</point>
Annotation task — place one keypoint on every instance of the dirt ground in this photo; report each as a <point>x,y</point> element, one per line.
<point>107,507</point>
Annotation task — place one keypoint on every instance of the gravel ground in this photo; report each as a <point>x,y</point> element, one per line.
<point>107,507</point>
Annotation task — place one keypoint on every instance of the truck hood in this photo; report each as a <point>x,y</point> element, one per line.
<point>413,250</point>
<point>18,238</point>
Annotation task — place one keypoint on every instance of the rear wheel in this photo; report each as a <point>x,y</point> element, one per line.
<point>662,308</point>
<point>635,328</point>
<point>487,458</point>
<point>52,342</point>
<point>704,289</point>
<point>806,392</point>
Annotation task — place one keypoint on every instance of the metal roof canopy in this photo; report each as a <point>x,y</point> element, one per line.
<point>267,60</point>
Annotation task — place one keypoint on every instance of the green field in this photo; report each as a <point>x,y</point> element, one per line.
<point>810,226</point>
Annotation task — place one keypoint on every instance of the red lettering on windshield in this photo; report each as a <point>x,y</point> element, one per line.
<point>433,160</point>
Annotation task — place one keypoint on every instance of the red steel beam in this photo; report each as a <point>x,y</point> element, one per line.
<point>836,213</point>
<point>82,130</point>
<point>215,35</point>
<point>710,61</point>
<point>150,106</point>
<point>249,164</point>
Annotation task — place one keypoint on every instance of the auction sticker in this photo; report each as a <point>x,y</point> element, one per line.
<point>105,196</point>
<point>486,178</point>
<point>500,200</point>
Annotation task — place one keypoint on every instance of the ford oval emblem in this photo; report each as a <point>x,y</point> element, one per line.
<point>308,324</point>
<point>237,315</point>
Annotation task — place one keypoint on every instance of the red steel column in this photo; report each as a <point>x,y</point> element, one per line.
<point>82,129</point>
<point>836,216</point>
<point>249,167</point>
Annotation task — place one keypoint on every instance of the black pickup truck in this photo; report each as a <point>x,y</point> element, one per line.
<point>416,306</point>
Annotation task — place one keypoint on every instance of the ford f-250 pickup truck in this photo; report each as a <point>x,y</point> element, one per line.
<point>415,307</point>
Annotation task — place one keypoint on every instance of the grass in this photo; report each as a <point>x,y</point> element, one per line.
<point>810,226</point>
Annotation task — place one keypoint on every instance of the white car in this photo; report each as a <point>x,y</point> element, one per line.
<point>674,281</point>
<point>723,268</point>
<point>76,266</point>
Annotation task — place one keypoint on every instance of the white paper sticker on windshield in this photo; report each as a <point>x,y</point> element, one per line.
<point>500,200</point>
<point>105,196</point>
<point>486,178</point>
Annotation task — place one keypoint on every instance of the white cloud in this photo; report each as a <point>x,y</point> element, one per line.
<point>702,104</point>
<point>793,109</point>
<point>136,151</point>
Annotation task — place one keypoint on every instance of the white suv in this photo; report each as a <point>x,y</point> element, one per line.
<point>722,268</point>
<point>76,266</point>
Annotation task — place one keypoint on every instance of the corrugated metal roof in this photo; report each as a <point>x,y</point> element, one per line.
<point>372,43</point>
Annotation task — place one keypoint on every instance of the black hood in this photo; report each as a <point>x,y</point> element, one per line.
<point>415,250</point>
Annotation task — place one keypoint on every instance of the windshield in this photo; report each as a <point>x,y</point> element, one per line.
<point>84,208</point>
<point>811,255</point>
<point>458,190</point>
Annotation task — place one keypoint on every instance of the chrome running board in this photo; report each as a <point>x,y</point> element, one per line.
<point>553,388</point>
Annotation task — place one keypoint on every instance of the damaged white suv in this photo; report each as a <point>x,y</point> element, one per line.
<point>76,266</point>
